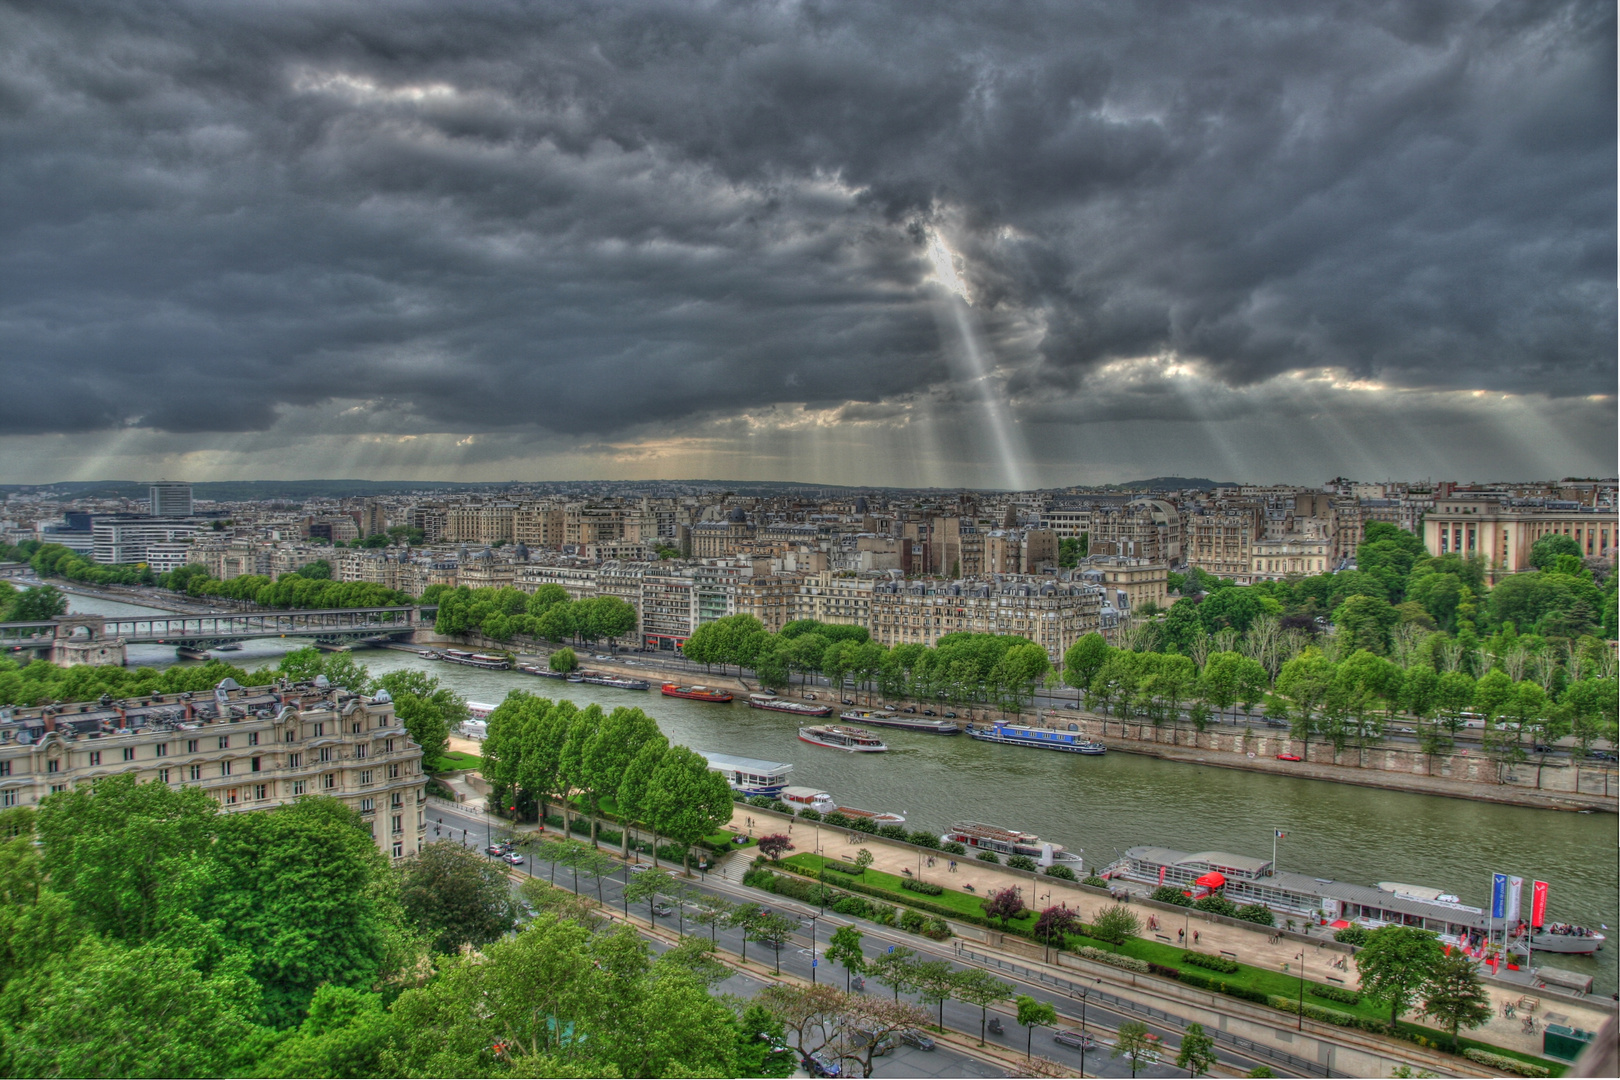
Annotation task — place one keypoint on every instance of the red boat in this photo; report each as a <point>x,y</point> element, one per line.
<point>695,693</point>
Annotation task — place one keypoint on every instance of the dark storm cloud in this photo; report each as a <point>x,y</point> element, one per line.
<point>511,215</point>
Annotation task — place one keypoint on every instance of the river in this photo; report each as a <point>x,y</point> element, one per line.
<point>1100,806</point>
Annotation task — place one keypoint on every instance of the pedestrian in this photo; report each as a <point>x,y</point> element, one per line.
<point>790,828</point>
<point>1195,937</point>
<point>1181,937</point>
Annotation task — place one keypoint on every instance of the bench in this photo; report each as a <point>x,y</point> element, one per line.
<point>1162,938</point>
<point>1335,978</point>
<point>1232,956</point>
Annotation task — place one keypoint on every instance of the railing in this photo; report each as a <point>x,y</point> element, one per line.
<point>1238,1042</point>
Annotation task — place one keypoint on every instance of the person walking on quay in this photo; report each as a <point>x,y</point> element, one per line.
<point>1181,937</point>
<point>1195,937</point>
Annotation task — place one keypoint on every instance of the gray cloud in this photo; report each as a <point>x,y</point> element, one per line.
<point>587,223</point>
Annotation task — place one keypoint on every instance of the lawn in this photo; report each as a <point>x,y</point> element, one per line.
<point>457,759</point>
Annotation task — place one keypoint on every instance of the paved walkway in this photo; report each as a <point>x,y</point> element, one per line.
<point>1256,948</point>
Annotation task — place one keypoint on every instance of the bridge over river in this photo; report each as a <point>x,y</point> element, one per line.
<point>98,638</point>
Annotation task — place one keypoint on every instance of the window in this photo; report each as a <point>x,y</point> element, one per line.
<point>399,850</point>
<point>298,787</point>
<point>393,772</point>
<point>95,757</point>
<point>191,746</point>
<point>367,805</point>
<point>360,750</point>
<point>5,768</point>
<point>388,746</point>
<point>256,764</point>
<point>253,738</point>
<point>295,761</point>
<point>329,780</point>
<point>163,776</point>
<point>225,768</point>
<point>57,789</point>
<point>53,766</point>
<point>358,727</point>
<point>230,796</point>
<point>195,772</point>
<point>8,798</point>
<point>399,823</point>
<point>326,753</point>
<point>260,791</point>
<point>320,729</point>
<point>129,753</point>
<point>224,742</point>
<point>365,776</point>
<point>399,799</point>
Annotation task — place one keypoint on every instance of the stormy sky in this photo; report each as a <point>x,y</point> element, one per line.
<point>985,244</point>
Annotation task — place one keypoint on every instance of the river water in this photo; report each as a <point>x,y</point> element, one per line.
<point>1101,806</point>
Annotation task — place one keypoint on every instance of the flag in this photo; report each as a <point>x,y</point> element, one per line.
<point>1281,835</point>
<point>1515,889</point>
<point>1538,904</point>
<point>1499,896</point>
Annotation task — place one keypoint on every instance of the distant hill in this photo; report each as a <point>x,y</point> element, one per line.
<point>241,490</point>
<point>1171,483</point>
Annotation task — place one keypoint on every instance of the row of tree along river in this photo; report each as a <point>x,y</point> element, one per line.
<point>1099,806</point>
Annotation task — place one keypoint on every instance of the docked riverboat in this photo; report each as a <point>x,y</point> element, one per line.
<point>695,693</point>
<point>838,737</point>
<point>478,710</point>
<point>1069,742</point>
<point>1567,940</point>
<point>751,776</point>
<point>797,708</point>
<point>596,678</point>
<point>881,718</point>
<point>477,660</point>
<point>876,817</point>
<point>544,673</point>
<point>977,835</point>
<point>819,801</point>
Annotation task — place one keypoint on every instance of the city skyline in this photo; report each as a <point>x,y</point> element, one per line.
<point>995,248</point>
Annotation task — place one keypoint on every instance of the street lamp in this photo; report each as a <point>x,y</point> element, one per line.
<point>1301,957</point>
<point>813,919</point>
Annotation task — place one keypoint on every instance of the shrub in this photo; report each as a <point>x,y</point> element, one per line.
<point>1351,935</point>
<point>927,888</point>
<point>1022,862</point>
<point>837,819</point>
<point>1129,963</point>
<point>924,839</point>
<point>1091,879</point>
<point>1116,925</point>
<point>757,877</point>
<point>1213,963</point>
<point>1335,993</point>
<point>1169,894</point>
<point>1331,1016</point>
<point>857,906</point>
<point>883,914</point>
<point>912,922</point>
<point>1215,903</point>
<point>1162,971</point>
<point>938,929</point>
<point>781,807</point>
<point>893,832</point>
<point>841,867</point>
<point>810,813</point>
<point>865,825</point>
<point>951,847</point>
<point>1257,913</point>
<point>1062,872</point>
<point>1504,1063</point>
<point>737,796</point>
<point>762,801</point>
<point>989,856</point>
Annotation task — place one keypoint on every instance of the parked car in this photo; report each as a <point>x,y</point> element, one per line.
<point>1079,1040</point>
<point>929,712</point>
<point>921,1040</point>
<point>495,851</point>
<point>911,708</point>
<point>1289,757</point>
<point>819,1064</point>
<point>640,869</point>
<point>849,701</point>
<point>663,911</point>
<point>949,715</point>
<point>514,858</point>
<point>1272,721</point>
<point>1601,755</point>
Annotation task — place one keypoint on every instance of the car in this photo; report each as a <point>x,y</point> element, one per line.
<point>1601,755</point>
<point>929,712</point>
<point>910,708</point>
<point>849,701</point>
<point>1079,1040</point>
<point>949,715</point>
<point>919,1039</point>
<point>495,851</point>
<point>640,869</point>
<point>819,1064</point>
<point>1405,730</point>
<point>1272,721</point>
<point>1289,757</point>
<point>663,911</point>
<point>514,858</point>
<point>809,697</point>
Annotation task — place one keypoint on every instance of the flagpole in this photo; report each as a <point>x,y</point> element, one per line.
<point>1275,832</point>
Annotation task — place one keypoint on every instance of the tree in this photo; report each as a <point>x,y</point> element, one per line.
<point>455,897</point>
<point>563,659</point>
<point>1197,1053</point>
<point>844,948</point>
<point>1396,963</point>
<point>1455,996</point>
<point>1004,905</point>
<point>1545,551</point>
<point>1033,1014</point>
<point>609,752</point>
<point>775,845</point>
<point>1366,621</point>
<point>37,604</point>
<point>775,930</point>
<point>429,711</point>
<point>686,800</point>
<point>631,796</point>
<point>649,886</point>
<point>893,968</point>
<point>975,986</point>
<point>1057,921</point>
<point>1115,924</point>
<point>863,859</point>
<point>1136,1042</point>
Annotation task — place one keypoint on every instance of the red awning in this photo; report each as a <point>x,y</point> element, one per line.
<point>1340,924</point>
<point>1211,880</point>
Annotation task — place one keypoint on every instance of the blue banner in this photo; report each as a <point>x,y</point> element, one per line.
<point>1499,885</point>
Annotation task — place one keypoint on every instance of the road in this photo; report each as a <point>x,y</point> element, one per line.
<point>796,958</point>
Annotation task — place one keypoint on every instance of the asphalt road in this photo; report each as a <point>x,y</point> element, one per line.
<point>796,958</point>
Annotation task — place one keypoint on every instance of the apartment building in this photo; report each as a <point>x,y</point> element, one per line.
<point>1053,614</point>
<point>1219,539</point>
<point>1139,581</point>
<point>834,598</point>
<point>666,608</point>
<point>250,748</point>
<point>536,526</point>
<point>773,599</point>
<point>1288,556</point>
<point>1503,531</point>
<point>579,581</point>
<point>132,539</point>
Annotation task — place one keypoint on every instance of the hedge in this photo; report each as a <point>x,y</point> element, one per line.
<point>951,847</point>
<point>927,888</point>
<point>1060,872</point>
<point>810,814</point>
<point>1351,935</point>
<point>1022,862</point>
<point>1091,879</point>
<point>1169,894</point>
<point>842,867</point>
<point>1256,913</point>
<point>1128,963</point>
<point>923,905</point>
<point>1163,972</point>
<point>1332,1016</point>
<point>1334,993</point>
<point>1505,1064</point>
<point>988,856</point>
<point>1216,904</point>
<point>1213,963</point>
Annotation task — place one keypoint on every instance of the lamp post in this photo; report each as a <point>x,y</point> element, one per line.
<point>813,919</point>
<point>1301,957</point>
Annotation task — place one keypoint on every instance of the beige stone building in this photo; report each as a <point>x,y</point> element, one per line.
<point>1053,614</point>
<point>251,749</point>
<point>1289,556</point>
<point>1503,533</point>
<point>1142,581</point>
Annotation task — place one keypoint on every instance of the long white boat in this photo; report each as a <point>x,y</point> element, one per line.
<point>838,737</point>
<point>751,776</point>
<point>776,704</point>
<point>1041,738</point>
<point>976,834</point>
<point>881,718</point>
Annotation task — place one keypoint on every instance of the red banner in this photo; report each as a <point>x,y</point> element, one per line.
<point>1161,877</point>
<point>1538,905</point>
